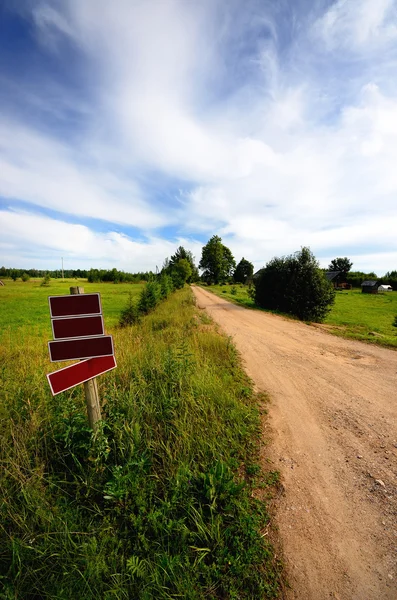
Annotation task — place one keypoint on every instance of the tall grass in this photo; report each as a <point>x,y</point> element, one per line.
<point>158,503</point>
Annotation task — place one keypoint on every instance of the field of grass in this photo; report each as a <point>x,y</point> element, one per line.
<point>366,317</point>
<point>159,502</point>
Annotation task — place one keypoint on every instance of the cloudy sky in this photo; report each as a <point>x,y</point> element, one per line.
<point>128,128</point>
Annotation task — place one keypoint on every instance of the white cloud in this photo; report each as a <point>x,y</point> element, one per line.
<point>215,97</point>
<point>79,245</point>
<point>45,172</point>
<point>355,24</point>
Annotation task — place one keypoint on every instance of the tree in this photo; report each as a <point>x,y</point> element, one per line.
<point>296,285</point>
<point>243,270</point>
<point>340,264</point>
<point>181,272</point>
<point>217,261</point>
<point>182,254</point>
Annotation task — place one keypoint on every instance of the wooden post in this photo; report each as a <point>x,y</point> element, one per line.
<point>90,387</point>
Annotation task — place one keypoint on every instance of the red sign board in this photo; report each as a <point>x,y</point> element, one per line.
<point>77,327</point>
<point>66,378</point>
<point>75,348</point>
<point>80,348</point>
<point>72,306</point>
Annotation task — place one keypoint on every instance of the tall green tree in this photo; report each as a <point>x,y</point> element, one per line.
<point>217,261</point>
<point>296,285</point>
<point>183,254</point>
<point>243,270</point>
<point>340,264</point>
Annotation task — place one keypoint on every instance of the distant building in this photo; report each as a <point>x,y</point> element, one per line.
<point>370,287</point>
<point>338,280</point>
<point>385,288</point>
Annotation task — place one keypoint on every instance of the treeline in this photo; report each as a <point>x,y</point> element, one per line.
<point>116,276</point>
<point>57,274</point>
<point>93,275</point>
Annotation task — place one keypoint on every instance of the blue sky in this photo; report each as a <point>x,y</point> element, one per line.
<point>128,128</point>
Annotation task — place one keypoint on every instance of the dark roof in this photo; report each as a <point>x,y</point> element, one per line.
<point>330,275</point>
<point>255,275</point>
<point>369,283</point>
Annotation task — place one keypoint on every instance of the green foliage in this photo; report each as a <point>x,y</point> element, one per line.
<point>155,504</point>
<point>115,276</point>
<point>233,290</point>
<point>391,279</point>
<point>243,271</point>
<point>355,278</point>
<point>181,272</point>
<point>395,321</point>
<point>149,298</point>
<point>343,265</point>
<point>25,277</point>
<point>166,285</point>
<point>46,281</point>
<point>130,314</point>
<point>217,261</point>
<point>295,285</point>
<point>191,275</point>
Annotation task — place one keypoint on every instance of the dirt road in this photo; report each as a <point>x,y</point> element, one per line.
<point>333,425</point>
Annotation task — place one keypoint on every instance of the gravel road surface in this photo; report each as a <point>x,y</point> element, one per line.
<point>333,430</point>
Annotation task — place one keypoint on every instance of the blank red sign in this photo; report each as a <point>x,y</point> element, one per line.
<point>77,327</point>
<point>72,306</point>
<point>66,378</point>
<point>88,347</point>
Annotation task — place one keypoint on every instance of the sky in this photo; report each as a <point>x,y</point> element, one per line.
<point>131,127</point>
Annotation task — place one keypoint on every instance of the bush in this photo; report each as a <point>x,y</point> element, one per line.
<point>130,314</point>
<point>166,285</point>
<point>295,285</point>
<point>25,277</point>
<point>395,321</point>
<point>45,281</point>
<point>233,291</point>
<point>149,297</point>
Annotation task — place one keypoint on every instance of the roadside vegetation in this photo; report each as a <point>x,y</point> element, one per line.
<point>159,502</point>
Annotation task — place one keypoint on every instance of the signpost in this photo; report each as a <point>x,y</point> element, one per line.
<point>78,330</point>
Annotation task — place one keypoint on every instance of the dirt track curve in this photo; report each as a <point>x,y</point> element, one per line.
<point>333,423</point>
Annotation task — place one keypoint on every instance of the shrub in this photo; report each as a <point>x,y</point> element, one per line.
<point>45,281</point>
<point>130,314</point>
<point>233,291</point>
<point>166,285</point>
<point>149,297</point>
<point>395,321</point>
<point>295,285</point>
<point>25,277</point>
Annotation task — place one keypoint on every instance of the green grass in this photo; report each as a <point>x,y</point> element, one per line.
<point>240,297</point>
<point>365,317</point>
<point>160,502</point>
<point>360,316</point>
<point>25,303</point>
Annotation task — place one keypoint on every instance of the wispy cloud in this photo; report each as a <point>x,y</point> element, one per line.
<point>272,124</point>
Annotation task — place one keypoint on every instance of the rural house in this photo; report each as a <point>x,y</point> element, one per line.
<point>369,287</point>
<point>338,280</point>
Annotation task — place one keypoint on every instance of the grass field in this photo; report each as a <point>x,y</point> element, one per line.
<point>366,317</point>
<point>163,501</point>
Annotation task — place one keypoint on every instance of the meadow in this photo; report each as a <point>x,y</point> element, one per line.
<point>167,499</point>
<point>365,317</point>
